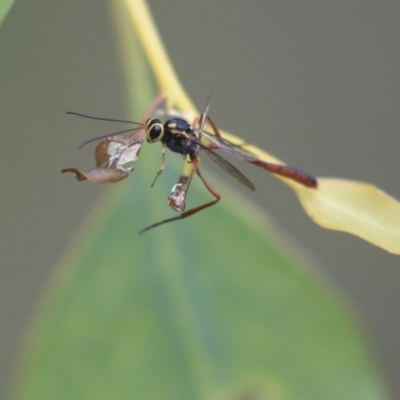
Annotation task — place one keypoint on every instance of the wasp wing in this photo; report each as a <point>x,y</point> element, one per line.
<point>229,168</point>
<point>215,142</point>
<point>218,143</point>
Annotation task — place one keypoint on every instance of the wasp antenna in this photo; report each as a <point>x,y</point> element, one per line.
<point>107,135</point>
<point>102,119</point>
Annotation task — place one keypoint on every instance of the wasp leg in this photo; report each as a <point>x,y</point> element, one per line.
<point>194,210</point>
<point>161,170</point>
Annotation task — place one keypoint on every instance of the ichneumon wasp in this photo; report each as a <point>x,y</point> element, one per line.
<point>179,136</point>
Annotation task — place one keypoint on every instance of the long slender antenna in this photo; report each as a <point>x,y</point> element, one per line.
<point>107,135</point>
<point>103,119</point>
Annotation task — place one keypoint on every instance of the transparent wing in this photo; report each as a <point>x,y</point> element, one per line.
<point>235,149</point>
<point>217,142</point>
<point>229,168</point>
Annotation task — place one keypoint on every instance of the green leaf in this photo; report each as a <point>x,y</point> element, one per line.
<point>212,307</point>
<point>208,308</point>
<point>5,6</point>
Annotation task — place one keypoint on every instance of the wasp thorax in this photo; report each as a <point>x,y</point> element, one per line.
<point>155,130</point>
<point>177,126</point>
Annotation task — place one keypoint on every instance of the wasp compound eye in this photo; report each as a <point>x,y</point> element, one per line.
<point>155,130</point>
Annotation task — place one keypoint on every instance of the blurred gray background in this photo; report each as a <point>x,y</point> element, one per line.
<point>316,83</point>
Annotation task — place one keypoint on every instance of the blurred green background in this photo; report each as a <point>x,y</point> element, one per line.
<point>316,84</point>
